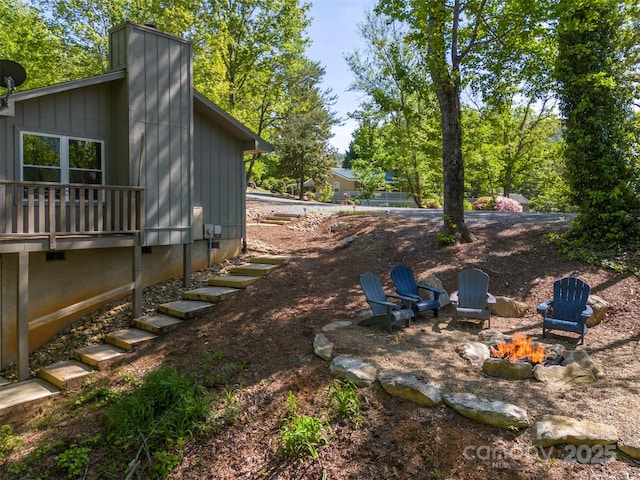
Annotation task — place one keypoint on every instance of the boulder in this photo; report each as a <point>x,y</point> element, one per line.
<point>559,430</point>
<point>491,412</point>
<point>569,374</point>
<point>633,450</point>
<point>353,370</point>
<point>409,387</point>
<point>433,281</point>
<point>505,368</point>
<point>339,227</point>
<point>582,358</point>
<point>330,327</point>
<point>322,347</point>
<point>508,307</point>
<point>600,308</point>
<point>474,352</point>
<point>493,337</point>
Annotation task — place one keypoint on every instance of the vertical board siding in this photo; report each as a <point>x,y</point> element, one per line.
<point>219,174</point>
<point>161,93</point>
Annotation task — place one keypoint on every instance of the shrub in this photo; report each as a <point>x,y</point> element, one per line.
<point>326,194</point>
<point>481,203</point>
<point>497,204</point>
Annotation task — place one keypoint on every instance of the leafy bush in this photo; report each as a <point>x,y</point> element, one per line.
<point>302,435</point>
<point>432,203</point>
<point>74,460</point>
<point>326,194</point>
<point>277,185</point>
<point>445,239</point>
<point>164,409</point>
<point>497,204</point>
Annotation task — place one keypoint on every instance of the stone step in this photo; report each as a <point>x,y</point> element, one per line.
<point>234,281</point>
<point>158,324</point>
<point>286,215</point>
<point>271,221</point>
<point>253,269</point>
<point>273,259</point>
<point>129,338</point>
<point>209,294</point>
<point>66,374</point>
<point>18,399</point>
<point>186,309</point>
<point>100,356</point>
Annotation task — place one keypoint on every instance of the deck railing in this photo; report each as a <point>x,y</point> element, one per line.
<point>32,209</point>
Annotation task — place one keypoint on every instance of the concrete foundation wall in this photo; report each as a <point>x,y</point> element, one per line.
<point>84,274</point>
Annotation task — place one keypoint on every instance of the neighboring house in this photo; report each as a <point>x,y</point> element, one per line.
<point>343,180</point>
<point>112,183</point>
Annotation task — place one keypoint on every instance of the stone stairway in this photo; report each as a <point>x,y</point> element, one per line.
<point>17,399</point>
<point>279,218</point>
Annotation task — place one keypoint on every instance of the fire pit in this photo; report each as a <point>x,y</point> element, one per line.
<point>516,359</point>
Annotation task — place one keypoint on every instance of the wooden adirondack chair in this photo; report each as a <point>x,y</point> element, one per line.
<point>472,299</point>
<point>405,283</point>
<point>568,311</point>
<point>384,312</point>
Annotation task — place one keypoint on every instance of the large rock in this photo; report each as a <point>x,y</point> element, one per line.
<point>353,370</point>
<point>582,358</point>
<point>600,308</point>
<point>572,373</point>
<point>559,430</point>
<point>505,368</point>
<point>322,347</point>
<point>491,412</point>
<point>493,337</point>
<point>330,327</point>
<point>508,307</point>
<point>408,387</point>
<point>433,281</point>
<point>633,450</point>
<point>474,352</point>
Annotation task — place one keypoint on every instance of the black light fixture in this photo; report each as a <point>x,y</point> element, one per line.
<point>12,75</point>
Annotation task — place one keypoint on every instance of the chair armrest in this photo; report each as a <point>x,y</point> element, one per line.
<point>386,304</point>
<point>586,313</point>
<point>543,307</point>
<point>411,300</point>
<point>491,300</point>
<point>453,298</point>
<point>432,289</point>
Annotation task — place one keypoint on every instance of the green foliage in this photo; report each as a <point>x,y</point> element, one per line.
<point>276,185</point>
<point>621,260</point>
<point>164,462</point>
<point>8,441</point>
<point>343,399</point>
<point>74,460</point>
<point>596,45</point>
<point>326,194</point>
<point>164,409</point>
<point>445,239</point>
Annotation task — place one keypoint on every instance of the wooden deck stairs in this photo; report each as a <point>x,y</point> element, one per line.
<point>18,399</point>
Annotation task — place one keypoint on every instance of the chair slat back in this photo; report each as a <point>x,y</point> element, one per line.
<point>473,285</point>
<point>372,288</point>
<point>570,296</point>
<point>404,280</point>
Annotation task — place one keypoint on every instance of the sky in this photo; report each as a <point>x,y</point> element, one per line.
<point>334,33</point>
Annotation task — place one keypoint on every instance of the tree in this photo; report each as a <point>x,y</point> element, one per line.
<point>596,53</point>
<point>401,104</point>
<point>303,141</point>
<point>28,39</point>
<point>459,34</point>
<point>369,179</point>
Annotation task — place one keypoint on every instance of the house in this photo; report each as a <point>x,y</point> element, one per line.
<point>112,183</point>
<point>343,180</point>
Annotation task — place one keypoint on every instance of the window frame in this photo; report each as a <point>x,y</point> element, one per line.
<point>64,167</point>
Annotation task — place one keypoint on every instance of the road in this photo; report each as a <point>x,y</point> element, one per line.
<point>472,218</point>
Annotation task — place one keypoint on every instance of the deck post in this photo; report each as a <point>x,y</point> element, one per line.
<point>186,264</point>
<point>22,318</point>
<point>137,280</point>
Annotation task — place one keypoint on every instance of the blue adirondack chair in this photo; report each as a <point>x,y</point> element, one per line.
<point>405,284</point>
<point>568,311</point>
<point>472,299</point>
<point>384,312</point>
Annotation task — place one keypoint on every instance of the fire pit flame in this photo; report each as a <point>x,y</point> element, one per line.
<point>519,349</point>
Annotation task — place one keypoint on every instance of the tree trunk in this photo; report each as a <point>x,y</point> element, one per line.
<point>453,166</point>
<point>254,158</point>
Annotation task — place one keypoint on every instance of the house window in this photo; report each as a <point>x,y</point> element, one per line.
<point>53,158</point>
<point>336,186</point>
